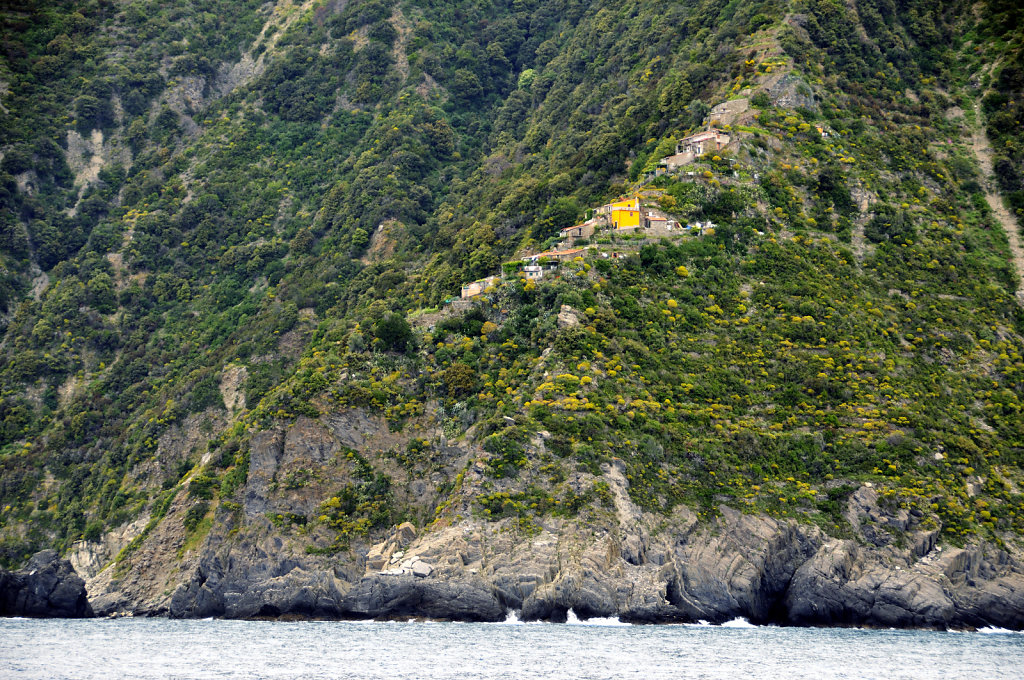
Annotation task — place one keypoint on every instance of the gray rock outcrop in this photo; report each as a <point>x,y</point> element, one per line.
<point>47,587</point>
<point>888,568</point>
<point>790,91</point>
<point>760,568</point>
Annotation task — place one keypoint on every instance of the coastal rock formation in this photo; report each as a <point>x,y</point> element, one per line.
<point>760,568</point>
<point>844,584</point>
<point>888,569</point>
<point>47,587</point>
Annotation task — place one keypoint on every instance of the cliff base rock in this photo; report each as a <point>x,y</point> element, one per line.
<point>48,587</point>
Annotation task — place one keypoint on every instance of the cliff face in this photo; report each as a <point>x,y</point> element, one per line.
<point>47,587</point>
<point>639,566</point>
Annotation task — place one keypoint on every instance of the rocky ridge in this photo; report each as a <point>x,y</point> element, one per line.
<point>739,566</point>
<point>47,587</point>
<point>641,567</point>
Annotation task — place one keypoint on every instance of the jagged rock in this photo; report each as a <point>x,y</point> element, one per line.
<point>925,542</point>
<point>843,584</point>
<point>47,587</point>
<point>791,92</point>
<point>110,604</point>
<point>376,558</point>
<point>390,550</point>
<point>742,570</point>
<point>582,593</point>
<point>286,589</point>
<point>568,317</point>
<point>405,533</point>
<point>628,563</point>
<point>466,599</point>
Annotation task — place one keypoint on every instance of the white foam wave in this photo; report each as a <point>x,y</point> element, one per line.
<point>739,622</point>
<point>574,620</point>
<point>512,619</point>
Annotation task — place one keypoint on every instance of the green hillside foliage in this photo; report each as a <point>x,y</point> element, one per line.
<point>1001,46</point>
<point>297,191</point>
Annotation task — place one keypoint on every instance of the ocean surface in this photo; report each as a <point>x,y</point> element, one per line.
<point>160,648</point>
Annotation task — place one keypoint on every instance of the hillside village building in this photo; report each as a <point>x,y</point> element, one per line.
<point>674,162</point>
<point>585,230</point>
<point>477,287</point>
<point>689,148</point>
<point>534,266</point>
<point>657,223</point>
<point>703,142</point>
<point>555,255</point>
<point>623,214</point>
<point>533,271</point>
<point>728,112</point>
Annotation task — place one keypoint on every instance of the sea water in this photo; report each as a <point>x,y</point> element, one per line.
<point>605,648</point>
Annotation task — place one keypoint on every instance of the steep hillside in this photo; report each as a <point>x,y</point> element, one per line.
<point>234,360</point>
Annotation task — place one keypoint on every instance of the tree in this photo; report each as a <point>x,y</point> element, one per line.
<point>698,112</point>
<point>467,86</point>
<point>459,380</point>
<point>394,333</point>
<point>101,293</point>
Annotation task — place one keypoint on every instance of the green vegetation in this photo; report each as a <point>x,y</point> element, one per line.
<point>171,226</point>
<point>1002,47</point>
<point>358,507</point>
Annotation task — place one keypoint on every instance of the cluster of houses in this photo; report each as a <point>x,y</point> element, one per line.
<point>691,147</point>
<point>627,214</point>
<point>630,214</point>
<point>624,216</point>
<point>531,267</point>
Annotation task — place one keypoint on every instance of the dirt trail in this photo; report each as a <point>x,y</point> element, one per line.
<point>981,148</point>
<point>858,241</point>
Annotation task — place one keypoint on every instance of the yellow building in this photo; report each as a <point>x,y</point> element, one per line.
<point>625,204</point>
<point>625,214</point>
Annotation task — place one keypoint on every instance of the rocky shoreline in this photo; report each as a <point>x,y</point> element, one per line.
<point>757,568</point>
<point>888,570</point>
<point>642,569</point>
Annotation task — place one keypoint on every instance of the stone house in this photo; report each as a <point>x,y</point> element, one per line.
<point>623,212</point>
<point>658,224</point>
<point>728,112</point>
<point>676,161</point>
<point>580,231</point>
<point>533,271</point>
<point>477,287</point>
<point>703,142</point>
<point>689,148</point>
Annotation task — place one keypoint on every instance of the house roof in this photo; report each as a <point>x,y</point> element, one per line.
<point>557,253</point>
<point>701,136</point>
<point>488,279</point>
